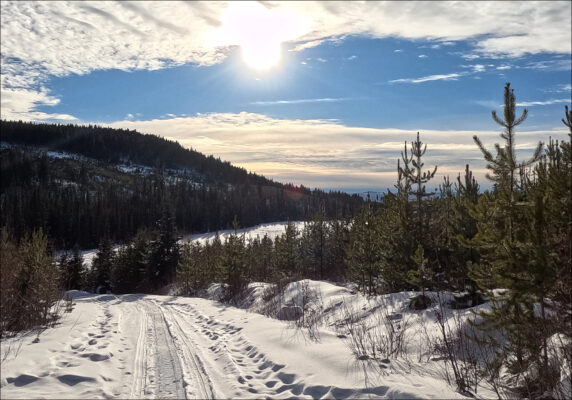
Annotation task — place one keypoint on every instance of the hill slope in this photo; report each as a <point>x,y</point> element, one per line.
<point>83,183</point>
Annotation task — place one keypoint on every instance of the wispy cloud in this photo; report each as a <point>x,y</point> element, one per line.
<point>562,88</point>
<point>440,77</point>
<point>423,56</point>
<point>542,103</point>
<point>300,101</point>
<point>81,37</point>
<point>550,65</point>
<point>324,153</point>
<point>496,104</point>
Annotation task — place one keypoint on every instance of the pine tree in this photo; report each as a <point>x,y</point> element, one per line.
<point>510,253</point>
<point>420,277</point>
<point>416,176</point>
<point>365,251</point>
<point>396,240</point>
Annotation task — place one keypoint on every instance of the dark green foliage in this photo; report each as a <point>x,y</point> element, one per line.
<point>365,253</point>
<point>29,280</point>
<point>164,253</point>
<point>260,254</point>
<point>420,276</point>
<point>128,274</point>
<point>234,265</point>
<point>102,266</point>
<point>518,251</point>
<point>190,271</point>
<point>72,270</point>
<point>413,174</point>
<point>287,251</point>
<point>313,249</point>
<point>82,200</point>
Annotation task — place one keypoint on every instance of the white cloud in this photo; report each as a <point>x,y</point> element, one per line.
<point>504,67</point>
<point>398,51</point>
<point>324,153</point>
<point>422,56</point>
<point>350,58</point>
<point>21,105</point>
<point>440,77</point>
<point>543,103</point>
<point>43,39</point>
<point>299,101</point>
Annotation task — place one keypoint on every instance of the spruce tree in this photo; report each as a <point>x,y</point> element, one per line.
<point>102,266</point>
<point>189,274</point>
<point>234,265</point>
<point>75,270</point>
<point>164,256</point>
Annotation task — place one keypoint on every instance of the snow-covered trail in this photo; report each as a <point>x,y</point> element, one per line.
<point>142,346</point>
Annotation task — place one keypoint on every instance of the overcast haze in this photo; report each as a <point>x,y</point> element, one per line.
<point>315,93</point>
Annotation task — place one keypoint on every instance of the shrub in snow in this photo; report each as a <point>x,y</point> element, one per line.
<point>290,313</point>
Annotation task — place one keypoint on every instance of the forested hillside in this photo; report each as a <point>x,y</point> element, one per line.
<point>107,183</point>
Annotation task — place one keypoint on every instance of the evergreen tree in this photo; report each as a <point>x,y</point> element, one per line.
<point>234,264</point>
<point>313,246</point>
<point>416,176</point>
<point>101,266</point>
<point>287,251</point>
<point>74,271</point>
<point>189,273</point>
<point>510,253</point>
<point>164,256</point>
<point>365,251</point>
<point>337,243</point>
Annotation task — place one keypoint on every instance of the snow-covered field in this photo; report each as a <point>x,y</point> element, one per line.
<point>271,229</point>
<point>143,346</point>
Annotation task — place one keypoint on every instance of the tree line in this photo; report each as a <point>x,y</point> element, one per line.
<point>82,201</point>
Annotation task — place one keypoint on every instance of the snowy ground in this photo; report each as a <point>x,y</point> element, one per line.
<point>142,346</point>
<point>271,229</point>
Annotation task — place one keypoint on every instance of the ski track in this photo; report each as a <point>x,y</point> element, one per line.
<point>236,364</point>
<point>171,350</point>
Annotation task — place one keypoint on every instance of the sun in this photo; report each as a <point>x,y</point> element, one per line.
<point>260,32</point>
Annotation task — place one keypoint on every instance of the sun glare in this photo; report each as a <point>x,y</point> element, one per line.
<point>260,32</point>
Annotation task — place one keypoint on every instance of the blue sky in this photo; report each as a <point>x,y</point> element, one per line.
<point>352,83</point>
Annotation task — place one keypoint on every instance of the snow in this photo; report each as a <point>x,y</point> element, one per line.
<point>273,230</point>
<point>148,346</point>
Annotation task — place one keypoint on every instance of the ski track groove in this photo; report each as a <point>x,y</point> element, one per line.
<point>251,370</point>
<point>139,369</point>
<point>169,375</point>
<point>195,368</point>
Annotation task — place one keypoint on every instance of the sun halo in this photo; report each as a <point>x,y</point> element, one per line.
<point>259,32</point>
